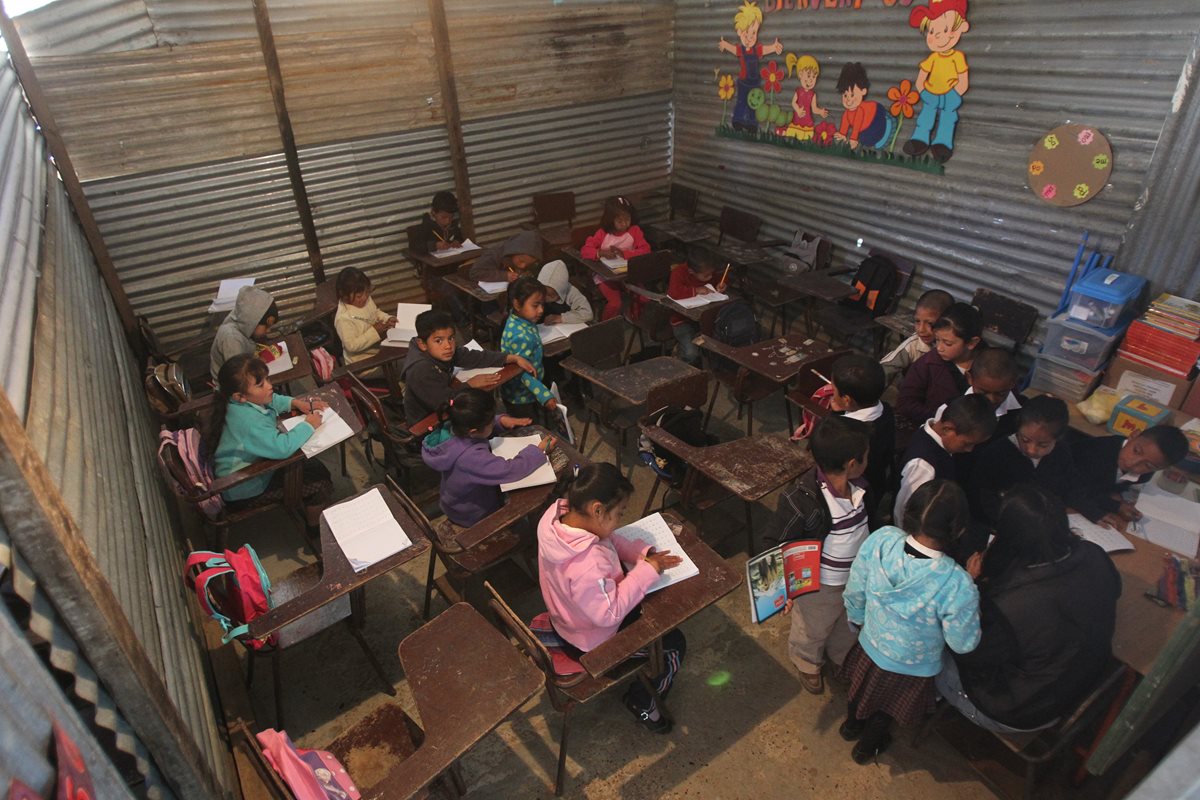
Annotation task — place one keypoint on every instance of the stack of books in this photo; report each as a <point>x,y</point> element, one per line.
<point>1166,337</point>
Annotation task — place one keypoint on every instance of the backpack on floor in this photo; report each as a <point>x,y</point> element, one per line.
<point>875,284</point>
<point>233,589</point>
<point>685,424</point>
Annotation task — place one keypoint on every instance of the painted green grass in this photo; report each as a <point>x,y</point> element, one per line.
<point>921,164</point>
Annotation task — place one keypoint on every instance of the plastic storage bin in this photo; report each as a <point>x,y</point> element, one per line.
<point>1063,379</point>
<point>1080,344</point>
<point>1104,299</point>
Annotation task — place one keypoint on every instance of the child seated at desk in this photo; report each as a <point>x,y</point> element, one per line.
<point>941,373</point>
<point>438,228</point>
<point>527,396</point>
<point>1108,465</point>
<point>243,421</point>
<point>617,237</point>
<point>428,370</point>
<point>587,591</point>
<point>929,309</point>
<point>828,503</point>
<point>517,256</point>
<point>689,279</point>
<point>459,450</point>
<point>359,323</point>
<point>564,303</point>
<point>858,383</point>
<point>254,312</point>
<point>967,422</point>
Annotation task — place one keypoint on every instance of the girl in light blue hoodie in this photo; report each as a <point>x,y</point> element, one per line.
<point>911,600</point>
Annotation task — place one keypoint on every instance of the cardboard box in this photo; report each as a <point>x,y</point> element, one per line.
<point>1134,414</point>
<point>1191,403</point>
<point>1129,377</point>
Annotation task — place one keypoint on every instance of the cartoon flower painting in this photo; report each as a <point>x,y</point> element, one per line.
<point>773,76</point>
<point>903,98</point>
<point>725,92</point>
<point>1037,168</point>
<point>823,134</point>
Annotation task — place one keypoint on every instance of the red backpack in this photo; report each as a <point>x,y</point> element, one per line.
<point>233,589</point>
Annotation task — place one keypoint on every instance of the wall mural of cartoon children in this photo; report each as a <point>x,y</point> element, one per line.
<point>942,79</point>
<point>804,102</point>
<point>865,122</point>
<point>746,23</point>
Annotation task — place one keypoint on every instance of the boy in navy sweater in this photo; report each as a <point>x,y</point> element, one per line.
<point>1108,465</point>
<point>858,384</point>
<point>967,421</point>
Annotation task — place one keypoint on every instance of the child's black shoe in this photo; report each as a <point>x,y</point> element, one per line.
<point>868,749</point>
<point>661,725</point>
<point>851,729</point>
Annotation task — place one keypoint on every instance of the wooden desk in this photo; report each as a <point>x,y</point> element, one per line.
<point>633,382</point>
<point>672,305</point>
<point>441,266</point>
<point>779,360</point>
<point>465,679</point>
<point>472,289</point>
<point>680,230</point>
<point>301,361</point>
<point>1143,626</point>
<point>668,608</point>
<point>337,576</point>
<point>389,358</point>
<point>595,266</point>
<point>429,422</point>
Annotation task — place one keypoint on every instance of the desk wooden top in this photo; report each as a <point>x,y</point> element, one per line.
<point>778,360</point>
<point>668,608</point>
<point>822,285</point>
<point>301,361</point>
<point>471,288</point>
<point>672,305</point>
<point>682,230</point>
<point>386,355</point>
<point>633,382</point>
<point>598,267</point>
<point>507,373</point>
<point>337,576</point>
<point>449,262</point>
<point>1143,626</point>
<point>742,253</point>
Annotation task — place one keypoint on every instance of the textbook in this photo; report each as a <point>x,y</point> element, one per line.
<point>509,447</point>
<point>615,264</point>
<point>466,247</point>
<point>563,330</point>
<point>654,531</point>
<point>780,574</point>
<point>703,299</point>
<point>406,323</point>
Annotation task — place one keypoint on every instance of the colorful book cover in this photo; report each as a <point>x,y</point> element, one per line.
<point>780,574</point>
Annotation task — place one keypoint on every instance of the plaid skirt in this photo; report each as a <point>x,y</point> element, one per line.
<point>905,698</point>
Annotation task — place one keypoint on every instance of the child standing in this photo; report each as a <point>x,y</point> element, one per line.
<point>587,591</point>
<point>459,450</point>
<point>1108,465</point>
<point>527,396</point>
<point>359,322</point>
<point>617,237</point>
<point>243,419</point>
<point>858,384</point>
<point>930,307</point>
<point>910,600</point>
<point>828,503</point>
<point>941,373</point>
<point>689,279</point>
<point>968,421</point>
<point>804,102</point>
<point>254,312</point>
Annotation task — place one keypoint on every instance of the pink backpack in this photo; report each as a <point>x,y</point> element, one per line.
<point>323,363</point>
<point>191,452</point>
<point>310,774</point>
<point>242,594</point>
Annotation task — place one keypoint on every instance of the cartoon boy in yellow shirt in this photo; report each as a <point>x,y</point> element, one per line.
<point>942,79</point>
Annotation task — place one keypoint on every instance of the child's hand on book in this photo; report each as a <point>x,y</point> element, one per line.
<point>546,443</point>
<point>1113,520</point>
<point>663,560</point>
<point>1128,512</point>
<point>313,419</point>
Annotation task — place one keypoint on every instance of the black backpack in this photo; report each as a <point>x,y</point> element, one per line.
<point>735,324</point>
<point>875,283</point>
<point>685,424</point>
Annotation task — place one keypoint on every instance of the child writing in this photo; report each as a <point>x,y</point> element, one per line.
<point>930,307</point>
<point>828,503</point>
<point>243,420</point>
<point>617,237</point>
<point>1108,465</point>
<point>691,278</point>
<point>254,312</point>
<point>941,374</point>
<point>518,256</point>
<point>564,303</point>
<point>910,600</point>
<point>438,228</point>
<point>428,371</point>
<point>587,592</point>
<point>858,383</point>
<point>359,322</point>
<point>471,475</point>
<point>968,421</point>
<point>520,339</point>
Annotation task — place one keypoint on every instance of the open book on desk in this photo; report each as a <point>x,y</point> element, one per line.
<point>1112,541</point>
<point>703,299</point>
<point>333,430</point>
<point>366,530</point>
<point>563,330</point>
<point>405,328</point>
<point>654,531</point>
<point>467,246</point>
<point>615,264</point>
<point>509,447</point>
<point>494,287</point>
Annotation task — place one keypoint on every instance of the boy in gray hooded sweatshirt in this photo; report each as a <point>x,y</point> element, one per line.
<point>253,314</point>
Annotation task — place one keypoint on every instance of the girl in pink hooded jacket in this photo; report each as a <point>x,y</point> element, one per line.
<point>587,591</point>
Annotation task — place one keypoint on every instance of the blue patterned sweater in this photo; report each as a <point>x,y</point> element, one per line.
<point>521,338</point>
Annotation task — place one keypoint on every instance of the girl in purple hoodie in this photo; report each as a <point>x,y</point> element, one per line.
<point>471,475</point>
<point>587,591</point>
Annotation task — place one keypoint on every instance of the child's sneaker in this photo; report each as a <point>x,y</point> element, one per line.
<point>660,725</point>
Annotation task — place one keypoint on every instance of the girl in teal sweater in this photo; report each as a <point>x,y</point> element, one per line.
<point>244,417</point>
<point>527,395</point>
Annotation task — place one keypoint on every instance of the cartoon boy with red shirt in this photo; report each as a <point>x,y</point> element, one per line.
<point>746,22</point>
<point>942,79</point>
<point>864,121</point>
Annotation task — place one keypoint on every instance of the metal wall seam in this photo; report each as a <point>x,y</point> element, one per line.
<point>612,147</point>
<point>1033,66</point>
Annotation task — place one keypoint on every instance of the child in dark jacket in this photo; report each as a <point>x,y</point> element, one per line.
<point>941,374</point>
<point>459,450</point>
<point>967,422</point>
<point>829,504</point>
<point>858,384</point>
<point>438,228</point>
<point>1108,465</point>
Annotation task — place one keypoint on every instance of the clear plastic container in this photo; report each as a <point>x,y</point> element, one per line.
<point>1105,299</point>
<point>1063,379</point>
<point>1080,344</point>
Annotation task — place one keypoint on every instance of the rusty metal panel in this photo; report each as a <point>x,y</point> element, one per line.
<point>23,170</point>
<point>174,235</point>
<point>618,146</point>
<point>1034,65</point>
<point>75,27</point>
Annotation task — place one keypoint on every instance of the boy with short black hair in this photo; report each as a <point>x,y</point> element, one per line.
<point>254,313</point>
<point>518,255</point>
<point>966,422</point>
<point>994,374</point>
<point>428,369</point>
<point>858,384</point>
<point>1108,465</point>
<point>827,503</point>
<point>929,309</point>
<point>438,228</point>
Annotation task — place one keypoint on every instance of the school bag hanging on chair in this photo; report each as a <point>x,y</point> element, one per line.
<point>875,284</point>
<point>233,589</point>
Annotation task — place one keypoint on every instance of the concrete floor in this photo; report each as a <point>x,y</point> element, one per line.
<point>744,728</point>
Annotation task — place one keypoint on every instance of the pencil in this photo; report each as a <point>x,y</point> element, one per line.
<point>819,375</point>
<point>724,275</point>
<point>440,237</point>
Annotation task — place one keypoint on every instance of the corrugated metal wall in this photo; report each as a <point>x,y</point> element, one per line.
<point>1033,65</point>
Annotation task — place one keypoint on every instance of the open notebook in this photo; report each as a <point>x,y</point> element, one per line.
<point>466,247</point>
<point>494,287</point>
<point>333,430</point>
<point>1112,541</point>
<point>563,330</point>
<point>703,299</point>
<point>227,294</point>
<point>405,328</point>
<point>654,531</point>
<point>282,362</point>
<point>509,447</point>
<point>366,529</point>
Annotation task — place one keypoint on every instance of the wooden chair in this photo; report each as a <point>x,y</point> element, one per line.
<point>349,608</point>
<point>749,468</point>
<point>1009,321</point>
<point>683,225</point>
<point>553,216</point>
<point>191,356</point>
<point>603,346</point>
<point>808,382</point>
<point>746,387</point>
<point>401,448</point>
<point>651,322</point>
<point>845,324</point>
<point>567,689</point>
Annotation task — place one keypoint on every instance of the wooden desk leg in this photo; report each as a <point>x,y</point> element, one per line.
<point>1114,708</point>
<point>749,528</point>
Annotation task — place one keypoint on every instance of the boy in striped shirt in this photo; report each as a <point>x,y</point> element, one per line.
<point>829,504</point>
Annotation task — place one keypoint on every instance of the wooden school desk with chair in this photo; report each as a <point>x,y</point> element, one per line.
<point>611,662</point>
<point>431,421</point>
<point>432,267</point>
<point>595,266</point>
<point>479,302</point>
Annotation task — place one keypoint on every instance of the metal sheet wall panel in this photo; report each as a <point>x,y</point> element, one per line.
<point>23,171</point>
<point>365,193</point>
<point>614,147</point>
<point>89,422</point>
<point>75,27</point>
<point>1033,65</point>
<point>174,235</point>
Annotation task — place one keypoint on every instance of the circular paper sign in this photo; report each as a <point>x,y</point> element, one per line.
<point>1070,165</point>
